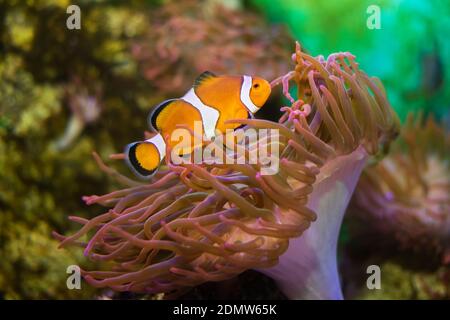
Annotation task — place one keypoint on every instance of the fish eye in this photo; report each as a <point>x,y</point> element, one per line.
<point>256,85</point>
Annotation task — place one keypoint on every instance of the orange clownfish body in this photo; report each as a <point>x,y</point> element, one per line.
<point>212,101</point>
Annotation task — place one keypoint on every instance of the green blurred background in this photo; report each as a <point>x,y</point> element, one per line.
<point>409,53</point>
<point>65,93</point>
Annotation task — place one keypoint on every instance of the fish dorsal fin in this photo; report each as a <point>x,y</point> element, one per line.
<point>205,76</point>
<point>155,113</point>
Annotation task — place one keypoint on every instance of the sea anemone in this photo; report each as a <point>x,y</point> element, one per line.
<point>354,122</point>
<point>404,200</point>
<point>195,223</point>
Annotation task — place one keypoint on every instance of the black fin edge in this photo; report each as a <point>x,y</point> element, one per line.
<point>156,111</point>
<point>133,163</point>
<point>205,75</point>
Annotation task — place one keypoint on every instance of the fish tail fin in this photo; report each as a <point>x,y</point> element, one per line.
<point>144,157</point>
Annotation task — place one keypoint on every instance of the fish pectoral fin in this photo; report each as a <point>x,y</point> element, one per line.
<point>205,76</point>
<point>243,125</point>
<point>143,158</point>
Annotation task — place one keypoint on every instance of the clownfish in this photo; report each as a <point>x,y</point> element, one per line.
<point>212,100</point>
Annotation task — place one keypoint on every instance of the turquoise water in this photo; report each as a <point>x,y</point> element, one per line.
<point>410,52</point>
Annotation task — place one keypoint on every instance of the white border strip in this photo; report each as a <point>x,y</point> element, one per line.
<point>210,116</point>
<point>158,141</point>
<point>245,94</point>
